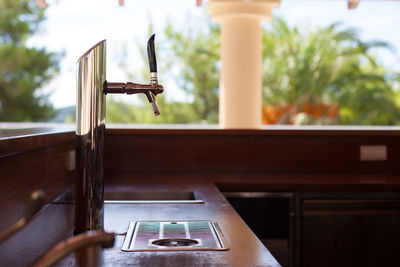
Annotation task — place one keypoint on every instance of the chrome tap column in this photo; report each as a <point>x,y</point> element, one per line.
<point>90,127</point>
<point>92,88</point>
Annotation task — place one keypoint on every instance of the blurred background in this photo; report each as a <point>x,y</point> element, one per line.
<point>323,64</point>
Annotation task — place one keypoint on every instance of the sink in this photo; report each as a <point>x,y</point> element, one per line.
<point>174,236</point>
<point>149,195</point>
<point>141,197</point>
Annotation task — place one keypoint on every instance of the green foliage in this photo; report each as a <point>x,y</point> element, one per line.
<point>171,112</point>
<point>194,55</point>
<point>325,69</point>
<point>369,99</point>
<point>327,76</point>
<point>18,20</point>
<point>197,55</point>
<point>23,70</point>
<point>329,66</point>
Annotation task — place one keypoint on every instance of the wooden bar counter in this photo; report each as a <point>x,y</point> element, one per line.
<point>205,161</point>
<point>245,248</point>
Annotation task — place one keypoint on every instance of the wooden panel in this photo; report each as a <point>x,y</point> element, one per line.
<point>16,144</point>
<point>245,248</point>
<point>53,224</point>
<point>321,182</point>
<point>252,157</point>
<point>350,232</point>
<point>241,151</point>
<point>43,167</point>
<point>331,241</point>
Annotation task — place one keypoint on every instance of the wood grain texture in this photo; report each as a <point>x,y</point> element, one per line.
<point>32,140</point>
<point>245,248</point>
<point>279,160</point>
<point>35,162</point>
<point>54,223</point>
<point>347,229</point>
<point>247,151</point>
<point>321,182</point>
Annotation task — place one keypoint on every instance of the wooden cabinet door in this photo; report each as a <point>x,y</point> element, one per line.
<point>350,232</point>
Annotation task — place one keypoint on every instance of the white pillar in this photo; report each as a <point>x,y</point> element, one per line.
<point>240,100</point>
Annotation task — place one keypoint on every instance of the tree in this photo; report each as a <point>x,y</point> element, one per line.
<point>192,59</point>
<point>171,111</point>
<point>328,76</point>
<point>324,77</point>
<point>197,55</point>
<point>23,70</point>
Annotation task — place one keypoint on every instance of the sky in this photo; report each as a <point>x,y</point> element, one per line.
<point>73,26</point>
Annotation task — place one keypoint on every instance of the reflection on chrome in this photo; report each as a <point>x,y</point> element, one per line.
<point>92,88</point>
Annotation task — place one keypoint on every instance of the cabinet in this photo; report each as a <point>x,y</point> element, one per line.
<point>268,214</point>
<point>348,229</point>
<point>330,229</point>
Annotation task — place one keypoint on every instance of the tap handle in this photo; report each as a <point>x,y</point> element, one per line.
<point>151,53</point>
<point>106,240</point>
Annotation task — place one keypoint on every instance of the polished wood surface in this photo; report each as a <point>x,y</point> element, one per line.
<point>31,141</point>
<point>247,151</point>
<point>84,240</point>
<point>245,248</point>
<point>347,229</point>
<point>52,224</point>
<point>321,182</point>
<point>31,163</point>
<point>202,160</point>
<point>281,130</point>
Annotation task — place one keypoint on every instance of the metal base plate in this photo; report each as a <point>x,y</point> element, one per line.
<point>145,235</point>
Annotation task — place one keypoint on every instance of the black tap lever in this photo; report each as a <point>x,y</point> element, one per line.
<point>150,90</point>
<point>151,53</point>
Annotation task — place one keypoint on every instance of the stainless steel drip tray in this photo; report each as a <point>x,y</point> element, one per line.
<point>174,236</point>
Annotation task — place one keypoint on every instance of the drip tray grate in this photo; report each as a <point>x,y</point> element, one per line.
<point>174,236</point>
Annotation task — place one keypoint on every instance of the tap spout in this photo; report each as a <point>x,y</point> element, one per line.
<point>150,90</point>
<point>152,100</point>
<point>129,88</point>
